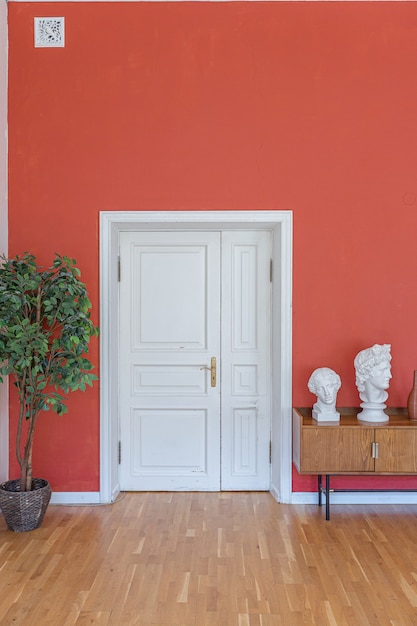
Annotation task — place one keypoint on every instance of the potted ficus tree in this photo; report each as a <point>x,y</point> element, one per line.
<point>45,329</point>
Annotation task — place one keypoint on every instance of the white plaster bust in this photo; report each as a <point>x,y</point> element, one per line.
<point>373,375</point>
<point>325,383</point>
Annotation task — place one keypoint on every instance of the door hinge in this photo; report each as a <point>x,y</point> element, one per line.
<point>118,269</point>
<point>270,452</point>
<point>119,452</point>
<point>270,270</point>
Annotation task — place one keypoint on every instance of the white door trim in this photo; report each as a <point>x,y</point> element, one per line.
<point>280,222</point>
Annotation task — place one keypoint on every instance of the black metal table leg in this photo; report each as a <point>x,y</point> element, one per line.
<point>319,488</point>
<point>327,497</point>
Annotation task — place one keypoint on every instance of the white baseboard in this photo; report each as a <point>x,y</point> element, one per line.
<point>299,497</point>
<point>374,497</point>
<point>75,497</point>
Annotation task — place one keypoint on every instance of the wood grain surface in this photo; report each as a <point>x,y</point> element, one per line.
<point>212,559</point>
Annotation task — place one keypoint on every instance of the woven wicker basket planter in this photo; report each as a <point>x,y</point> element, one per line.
<point>24,510</point>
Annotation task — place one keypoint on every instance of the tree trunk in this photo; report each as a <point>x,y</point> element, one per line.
<point>26,477</point>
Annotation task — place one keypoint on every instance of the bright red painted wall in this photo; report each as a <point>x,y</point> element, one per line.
<point>305,106</point>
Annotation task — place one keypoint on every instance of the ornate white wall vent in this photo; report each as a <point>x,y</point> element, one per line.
<point>49,32</point>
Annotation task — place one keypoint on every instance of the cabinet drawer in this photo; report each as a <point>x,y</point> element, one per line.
<point>333,450</point>
<point>397,451</point>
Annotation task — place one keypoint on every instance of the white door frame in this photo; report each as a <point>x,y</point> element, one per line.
<point>280,223</point>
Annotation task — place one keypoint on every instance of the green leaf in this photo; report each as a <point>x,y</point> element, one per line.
<point>45,330</point>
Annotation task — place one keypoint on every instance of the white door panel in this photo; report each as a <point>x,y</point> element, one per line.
<point>186,297</point>
<point>169,331</point>
<point>246,360</point>
<point>169,296</point>
<point>180,435</point>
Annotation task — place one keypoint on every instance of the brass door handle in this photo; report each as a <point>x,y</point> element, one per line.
<point>213,370</point>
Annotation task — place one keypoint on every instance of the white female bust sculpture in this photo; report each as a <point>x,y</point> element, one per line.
<point>325,383</point>
<point>373,373</point>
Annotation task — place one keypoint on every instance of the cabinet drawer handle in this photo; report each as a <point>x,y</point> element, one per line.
<point>375,451</point>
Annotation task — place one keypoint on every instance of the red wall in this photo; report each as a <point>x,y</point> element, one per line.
<point>305,106</point>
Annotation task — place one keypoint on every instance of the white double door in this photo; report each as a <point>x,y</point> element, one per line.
<point>195,362</point>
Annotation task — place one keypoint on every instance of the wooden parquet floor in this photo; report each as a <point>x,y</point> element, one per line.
<point>211,559</point>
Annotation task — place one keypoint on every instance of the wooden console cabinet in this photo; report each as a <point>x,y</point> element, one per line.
<point>354,447</point>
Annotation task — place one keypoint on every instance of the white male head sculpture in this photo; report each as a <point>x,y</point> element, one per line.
<point>373,374</point>
<point>325,383</point>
